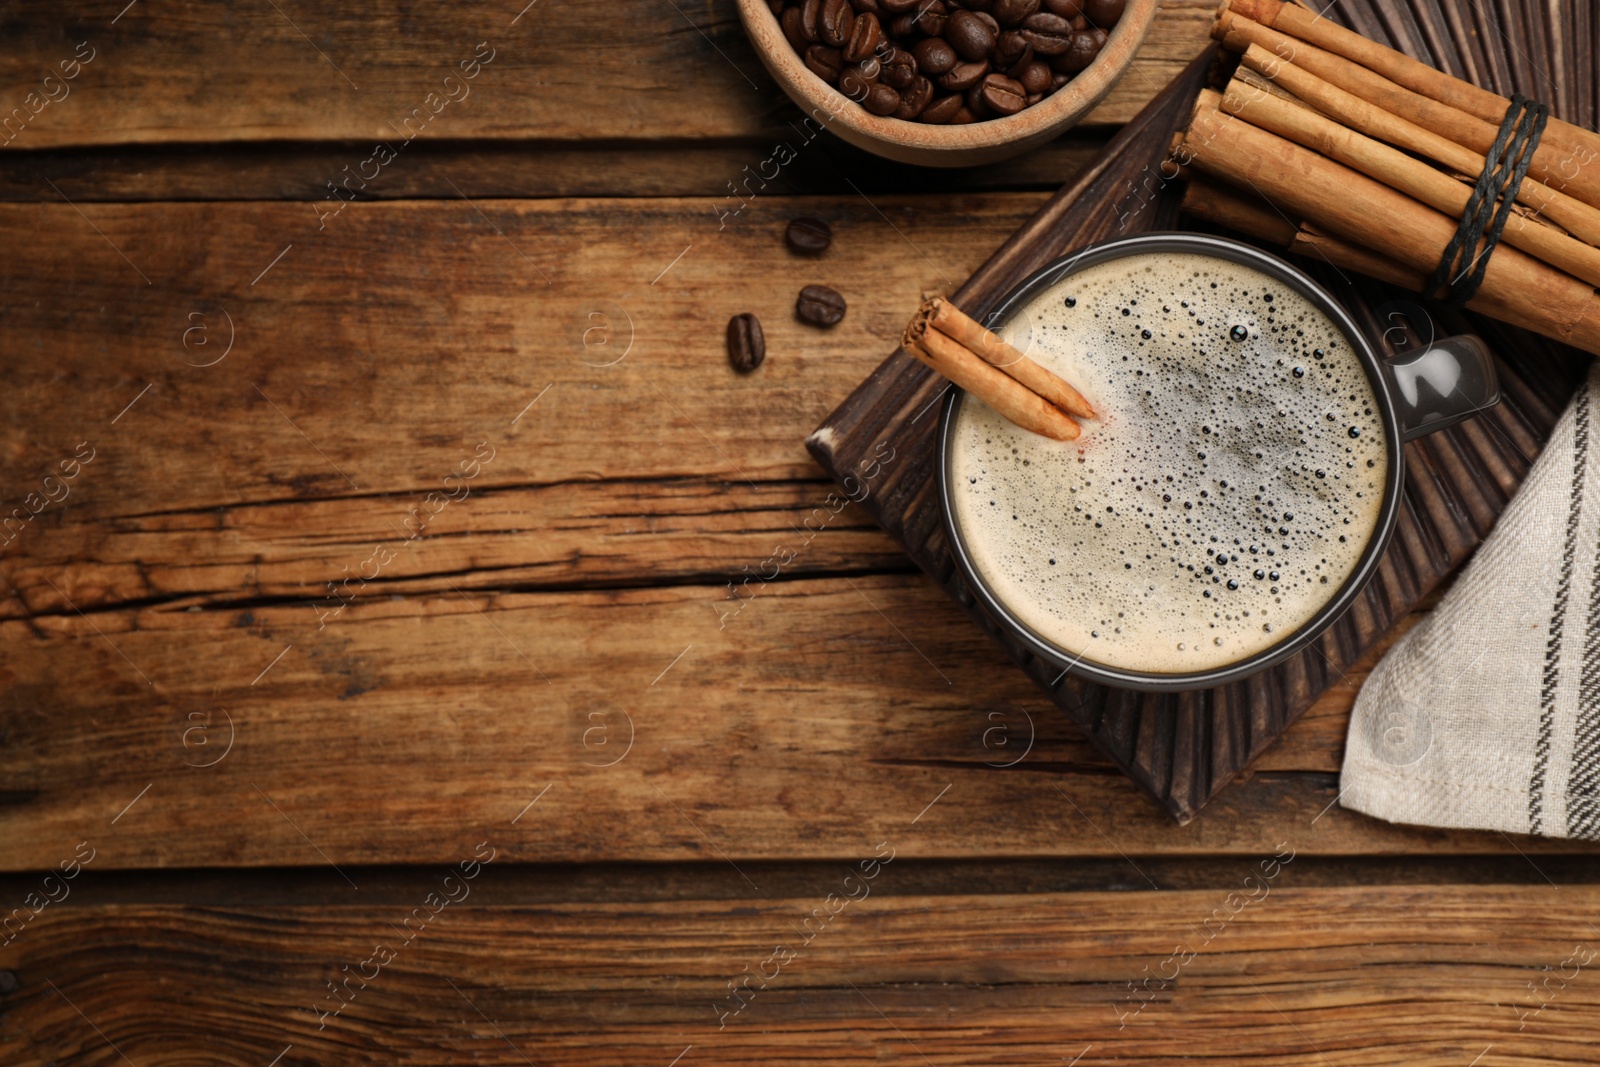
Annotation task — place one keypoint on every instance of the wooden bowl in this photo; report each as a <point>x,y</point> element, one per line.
<point>945,146</point>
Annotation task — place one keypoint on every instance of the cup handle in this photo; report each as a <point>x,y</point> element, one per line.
<point>1437,386</point>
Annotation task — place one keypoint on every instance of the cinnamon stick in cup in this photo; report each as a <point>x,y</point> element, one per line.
<point>994,350</point>
<point>944,338</point>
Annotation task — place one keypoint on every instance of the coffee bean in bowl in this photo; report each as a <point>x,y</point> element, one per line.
<point>978,48</point>
<point>920,81</point>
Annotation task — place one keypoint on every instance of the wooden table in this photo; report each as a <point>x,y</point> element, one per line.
<point>372,690</point>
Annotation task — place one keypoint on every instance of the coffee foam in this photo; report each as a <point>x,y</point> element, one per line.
<point>1225,494</point>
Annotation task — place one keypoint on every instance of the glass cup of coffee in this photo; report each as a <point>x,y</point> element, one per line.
<point>1242,481</point>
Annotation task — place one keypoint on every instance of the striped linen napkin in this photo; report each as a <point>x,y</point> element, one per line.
<point>1487,714</point>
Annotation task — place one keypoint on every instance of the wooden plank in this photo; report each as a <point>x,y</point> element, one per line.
<point>487,170</point>
<point>563,535</point>
<point>205,72</point>
<point>373,355</point>
<point>1315,977</point>
<point>803,723</point>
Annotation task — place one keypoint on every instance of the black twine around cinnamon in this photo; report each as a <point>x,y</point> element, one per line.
<point>1484,218</point>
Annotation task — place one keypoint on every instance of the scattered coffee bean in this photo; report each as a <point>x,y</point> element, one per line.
<point>746,346</point>
<point>808,236</point>
<point>818,305</point>
<point>947,61</point>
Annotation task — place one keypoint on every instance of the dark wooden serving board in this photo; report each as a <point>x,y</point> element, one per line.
<point>1183,748</point>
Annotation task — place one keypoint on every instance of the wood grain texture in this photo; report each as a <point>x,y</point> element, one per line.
<point>516,169</point>
<point>1356,975</point>
<point>376,355</point>
<point>798,727</point>
<point>204,71</point>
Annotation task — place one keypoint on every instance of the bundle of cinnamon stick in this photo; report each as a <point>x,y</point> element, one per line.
<point>1328,143</point>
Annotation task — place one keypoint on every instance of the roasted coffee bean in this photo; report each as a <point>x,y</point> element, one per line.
<point>940,111</point>
<point>865,38</point>
<point>947,61</point>
<point>969,35</point>
<point>818,305</point>
<point>914,99</point>
<point>853,85</point>
<point>746,346</point>
<point>881,100</point>
<point>791,30</point>
<point>934,56</point>
<point>962,76</point>
<point>1050,35</point>
<point>973,100</point>
<point>899,69</point>
<point>1003,95</point>
<point>835,22</point>
<point>808,236</point>
<point>1035,77</point>
<point>825,62</point>
<point>1012,12</point>
<point>1009,50</point>
<point>1085,46</point>
<point>810,13</point>
<point>870,68</point>
<point>1103,13</point>
<point>1023,62</point>
<point>934,21</point>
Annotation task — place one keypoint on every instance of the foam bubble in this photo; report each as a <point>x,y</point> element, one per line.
<point>1227,492</point>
